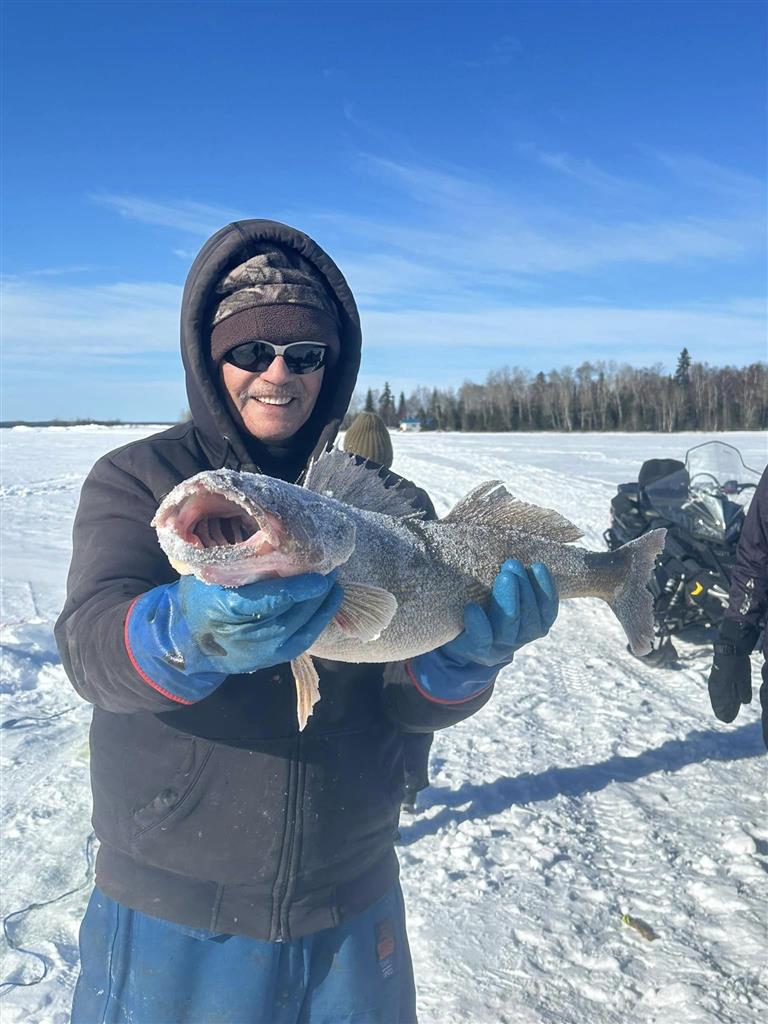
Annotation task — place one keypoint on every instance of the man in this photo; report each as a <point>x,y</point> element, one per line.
<point>730,680</point>
<point>368,436</point>
<point>246,870</point>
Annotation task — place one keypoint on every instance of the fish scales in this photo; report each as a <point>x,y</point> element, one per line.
<point>406,579</point>
<point>435,569</point>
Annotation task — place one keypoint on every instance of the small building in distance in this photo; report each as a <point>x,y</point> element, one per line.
<point>410,424</point>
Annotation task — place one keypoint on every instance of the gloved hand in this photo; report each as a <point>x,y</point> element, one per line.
<point>730,682</point>
<point>523,607</point>
<point>730,679</point>
<point>186,637</point>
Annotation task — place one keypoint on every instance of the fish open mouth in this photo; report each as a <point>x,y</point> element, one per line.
<point>206,519</point>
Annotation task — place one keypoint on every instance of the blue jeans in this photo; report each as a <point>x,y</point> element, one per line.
<point>142,970</point>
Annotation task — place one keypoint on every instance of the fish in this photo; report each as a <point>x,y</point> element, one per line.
<point>406,578</point>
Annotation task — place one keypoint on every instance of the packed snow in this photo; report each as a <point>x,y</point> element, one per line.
<point>590,787</point>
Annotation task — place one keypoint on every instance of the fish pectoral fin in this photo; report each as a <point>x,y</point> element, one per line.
<point>307,690</point>
<point>365,611</point>
<point>491,504</point>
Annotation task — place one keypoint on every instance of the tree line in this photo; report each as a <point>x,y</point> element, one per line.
<point>594,396</point>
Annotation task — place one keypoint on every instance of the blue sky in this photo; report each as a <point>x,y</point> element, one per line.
<point>521,184</point>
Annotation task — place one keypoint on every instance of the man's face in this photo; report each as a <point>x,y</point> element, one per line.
<point>274,404</point>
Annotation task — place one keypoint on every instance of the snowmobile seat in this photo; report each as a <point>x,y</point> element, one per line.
<point>671,470</point>
<point>656,469</point>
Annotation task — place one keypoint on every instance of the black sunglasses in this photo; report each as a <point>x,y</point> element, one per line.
<point>300,356</point>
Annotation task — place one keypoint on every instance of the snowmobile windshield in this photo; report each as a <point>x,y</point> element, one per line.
<point>718,468</point>
<point>708,497</point>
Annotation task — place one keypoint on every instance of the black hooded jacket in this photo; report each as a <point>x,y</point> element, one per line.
<point>221,814</point>
<point>748,596</point>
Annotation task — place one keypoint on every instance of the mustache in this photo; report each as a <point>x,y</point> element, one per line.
<point>260,392</point>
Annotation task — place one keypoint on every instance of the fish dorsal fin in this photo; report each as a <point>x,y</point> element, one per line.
<point>491,504</point>
<point>355,481</point>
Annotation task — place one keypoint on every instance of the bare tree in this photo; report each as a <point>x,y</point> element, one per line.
<point>599,396</point>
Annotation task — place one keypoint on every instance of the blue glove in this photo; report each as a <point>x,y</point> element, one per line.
<point>523,607</point>
<point>186,637</point>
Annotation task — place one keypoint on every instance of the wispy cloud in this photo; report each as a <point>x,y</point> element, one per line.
<point>184,215</point>
<point>99,320</point>
<point>435,188</point>
<point>586,172</point>
<point>131,320</point>
<point>482,256</point>
<point>414,347</point>
<point>481,237</point>
<point>60,271</point>
<point>457,234</point>
<point>464,268</point>
<point>570,332</point>
<point>704,175</point>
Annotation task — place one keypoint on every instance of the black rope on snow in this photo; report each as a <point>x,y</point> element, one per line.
<point>24,721</point>
<point>5,986</point>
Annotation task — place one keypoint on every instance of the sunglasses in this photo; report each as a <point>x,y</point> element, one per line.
<point>300,356</point>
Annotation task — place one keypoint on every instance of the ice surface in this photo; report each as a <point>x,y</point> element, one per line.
<point>586,789</point>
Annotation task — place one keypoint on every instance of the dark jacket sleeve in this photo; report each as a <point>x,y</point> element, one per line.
<point>413,711</point>
<point>406,705</point>
<point>748,596</point>
<point>115,558</point>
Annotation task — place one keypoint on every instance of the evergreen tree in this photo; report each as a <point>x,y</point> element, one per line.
<point>686,414</point>
<point>402,408</point>
<point>683,371</point>
<point>387,405</point>
<point>369,401</point>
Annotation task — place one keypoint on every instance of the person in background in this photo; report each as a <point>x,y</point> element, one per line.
<point>368,437</point>
<point>730,680</point>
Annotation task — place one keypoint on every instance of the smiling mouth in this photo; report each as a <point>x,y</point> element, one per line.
<point>268,400</point>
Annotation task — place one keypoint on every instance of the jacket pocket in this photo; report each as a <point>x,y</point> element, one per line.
<point>220,817</point>
<point>179,796</point>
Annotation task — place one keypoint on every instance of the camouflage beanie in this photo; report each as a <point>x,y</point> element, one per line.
<point>275,296</point>
<point>369,437</point>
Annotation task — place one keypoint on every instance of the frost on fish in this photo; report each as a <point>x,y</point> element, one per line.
<point>215,526</point>
<point>406,579</point>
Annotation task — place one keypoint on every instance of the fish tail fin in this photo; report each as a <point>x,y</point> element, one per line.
<point>632,601</point>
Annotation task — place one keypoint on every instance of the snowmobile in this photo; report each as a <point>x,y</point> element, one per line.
<point>702,503</point>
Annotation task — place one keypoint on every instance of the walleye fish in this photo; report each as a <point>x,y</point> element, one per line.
<point>406,579</point>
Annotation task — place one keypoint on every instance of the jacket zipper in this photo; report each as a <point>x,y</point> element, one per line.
<point>279,927</point>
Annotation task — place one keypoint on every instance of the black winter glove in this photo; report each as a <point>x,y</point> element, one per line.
<point>730,680</point>
<point>730,683</point>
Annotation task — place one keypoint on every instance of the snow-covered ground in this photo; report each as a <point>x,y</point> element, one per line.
<point>591,786</point>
